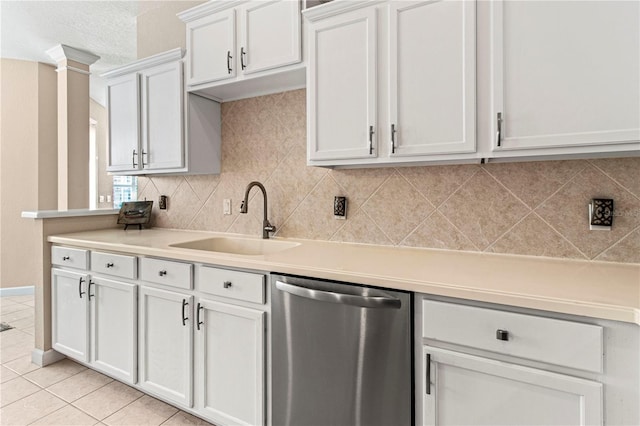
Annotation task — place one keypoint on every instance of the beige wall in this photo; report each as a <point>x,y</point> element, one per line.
<point>535,208</point>
<point>28,144</point>
<point>159,29</point>
<point>104,180</point>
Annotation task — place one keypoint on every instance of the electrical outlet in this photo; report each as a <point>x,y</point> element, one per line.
<point>162,202</point>
<point>601,214</point>
<point>340,207</point>
<point>108,198</point>
<point>101,199</point>
<point>226,206</point>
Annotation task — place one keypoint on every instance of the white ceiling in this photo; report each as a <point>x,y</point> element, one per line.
<point>105,28</point>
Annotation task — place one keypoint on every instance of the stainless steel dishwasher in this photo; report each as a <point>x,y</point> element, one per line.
<point>341,354</point>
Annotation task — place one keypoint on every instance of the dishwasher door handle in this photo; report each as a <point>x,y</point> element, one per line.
<point>341,298</point>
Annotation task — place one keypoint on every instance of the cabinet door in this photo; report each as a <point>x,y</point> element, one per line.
<point>165,344</point>
<point>560,81</point>
<point>70,314</point>
<point>123,100</point>
<point>342,86</point>
<point>230,371</point>
<point>162,134</point>
<point>270,35</point>
<point>498,393</point>
<point>432,74</point>
<point>114,333</point>
<point>211,48</point>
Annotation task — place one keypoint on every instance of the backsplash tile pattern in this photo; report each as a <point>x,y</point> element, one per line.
<point>531,208</point>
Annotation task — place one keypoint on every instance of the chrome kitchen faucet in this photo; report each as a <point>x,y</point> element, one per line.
<point>266,226</point>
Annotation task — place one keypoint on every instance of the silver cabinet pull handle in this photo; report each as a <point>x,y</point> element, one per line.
<point>198,322</point>
<point>133,159</point>
<point>80,292</point>
<point>229,57</point>
<point>143,162</point>
<point>499,132</point>
<point>428,375</point>
<point>334,297</point>
<point>227,284</point>
<point>162,273</point>
<point>89,289</point>
<point>242,55</point>
<point>393,138</point>
<point>184,318</point>
<point>371,132</point>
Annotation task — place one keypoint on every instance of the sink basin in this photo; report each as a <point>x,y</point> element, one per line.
<point>244,246</point>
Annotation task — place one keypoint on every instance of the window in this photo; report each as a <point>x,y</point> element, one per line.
<point>125,188</point>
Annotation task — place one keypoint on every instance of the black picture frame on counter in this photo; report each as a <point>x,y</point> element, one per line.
<point>135,213</point>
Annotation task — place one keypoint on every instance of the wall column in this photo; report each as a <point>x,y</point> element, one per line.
<point>73,125</point>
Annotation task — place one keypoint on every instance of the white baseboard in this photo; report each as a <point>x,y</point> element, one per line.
<point>42,358</point>
<point>16,291</point>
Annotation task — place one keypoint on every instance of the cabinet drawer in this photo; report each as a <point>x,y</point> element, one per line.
<point>167,272</point>
<point>233,284</point>
<point>547,340</point>
<point>71,257</point>
<point>118,265</point>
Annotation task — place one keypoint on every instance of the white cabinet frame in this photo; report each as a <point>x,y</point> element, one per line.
<point>114,334</point>
<point>423,144</point>
<point>589,393</point>
<point>354,141</point>
<point>223,359</point>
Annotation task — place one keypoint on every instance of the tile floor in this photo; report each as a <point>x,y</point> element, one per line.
<point>66,393</point>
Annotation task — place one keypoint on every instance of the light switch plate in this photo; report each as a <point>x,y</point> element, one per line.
<point>226,206</point>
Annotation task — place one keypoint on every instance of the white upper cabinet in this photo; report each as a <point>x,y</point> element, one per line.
<point>123,103</point>
<point>342,92</point>
<point>564,77</point>
<point>232,42</point>
<point>154,125</point>
<point>391,82</point>
<point>264,45</point>
<point>162,144</point>
<point>432,89</point>
<point>211,43</point>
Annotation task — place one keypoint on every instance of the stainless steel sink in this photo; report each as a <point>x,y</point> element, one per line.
<point>233,245</point>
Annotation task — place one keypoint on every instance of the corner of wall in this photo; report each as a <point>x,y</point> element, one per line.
<point>162,14</point>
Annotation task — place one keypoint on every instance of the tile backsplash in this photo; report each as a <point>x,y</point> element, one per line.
<point>531,208</point>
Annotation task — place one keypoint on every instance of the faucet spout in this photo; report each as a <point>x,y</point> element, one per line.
<point>244,206</point>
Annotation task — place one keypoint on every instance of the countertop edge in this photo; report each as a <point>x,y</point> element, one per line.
<point>623,313</point>
<point>50,214</point>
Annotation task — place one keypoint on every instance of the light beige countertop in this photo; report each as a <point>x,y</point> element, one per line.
<point>595,289</point>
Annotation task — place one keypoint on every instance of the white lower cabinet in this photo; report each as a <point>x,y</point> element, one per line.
<point>94,321</point>
<point>482,364</point>
<point>70,314</point>
<point>230,360</point>
<point>114,337</point>
<point>462,389</point>
<point>166,344</point>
